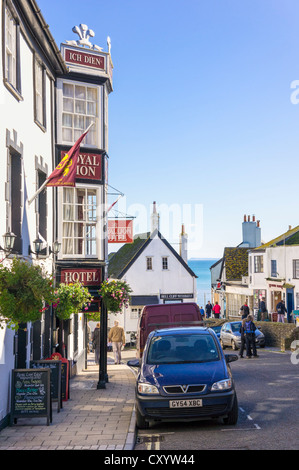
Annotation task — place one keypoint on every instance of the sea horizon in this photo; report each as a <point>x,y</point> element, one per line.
<point>201,267</point>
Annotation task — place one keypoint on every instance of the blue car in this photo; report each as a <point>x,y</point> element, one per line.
<point>184,375</point>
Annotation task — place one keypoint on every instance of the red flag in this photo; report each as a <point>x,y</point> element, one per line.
<point>65,172</point>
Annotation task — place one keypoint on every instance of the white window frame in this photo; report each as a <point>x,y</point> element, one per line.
<point>39,93</point>
<point>11,52</point>
<point>165,266</point>
<point>78,122</point>
<point>258,264</point>
<point>149,263</point>
<point>75,222</point>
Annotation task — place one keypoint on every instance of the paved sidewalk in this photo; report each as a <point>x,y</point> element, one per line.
<point>91,419</point>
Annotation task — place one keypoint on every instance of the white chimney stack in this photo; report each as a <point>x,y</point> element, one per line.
<point>183,245</point>
<point>155,222</point>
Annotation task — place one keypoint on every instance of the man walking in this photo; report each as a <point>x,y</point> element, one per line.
<point>281,309</point>
<point>209,307</point>
<point>250,328</point>
<point>117,337</point>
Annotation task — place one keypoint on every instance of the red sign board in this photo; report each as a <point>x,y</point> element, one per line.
<point>120,231</point>
<point>88,277</point>
<point>89,165</point>
<point>83,58</point>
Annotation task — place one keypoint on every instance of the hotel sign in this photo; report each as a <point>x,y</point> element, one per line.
<point>89,165</point>
<point>83,58</point>
<point>87,277</point>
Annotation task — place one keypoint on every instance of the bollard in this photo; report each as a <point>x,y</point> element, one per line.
<point>282,345</point>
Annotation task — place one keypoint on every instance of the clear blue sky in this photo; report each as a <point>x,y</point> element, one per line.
<point>201,112</point>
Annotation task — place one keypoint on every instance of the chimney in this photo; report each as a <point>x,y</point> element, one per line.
<point>183,245</point>
<point>155,222</point>
<point>251,232</point>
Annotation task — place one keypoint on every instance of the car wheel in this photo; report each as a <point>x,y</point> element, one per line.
<point>141,422</point>
<point>222,344</point>
<point>232,417</point>
<point>234,345</point>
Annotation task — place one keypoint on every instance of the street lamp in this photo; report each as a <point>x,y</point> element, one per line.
<point>56,248</point>
<point>9,240</point>
<point>37,246</point>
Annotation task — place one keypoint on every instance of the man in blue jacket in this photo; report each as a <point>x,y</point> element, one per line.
<point>250,328</point>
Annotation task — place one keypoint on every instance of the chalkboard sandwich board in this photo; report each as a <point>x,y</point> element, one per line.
<point>55,378</point>
<point>65,371</point>
<point>30,394</point>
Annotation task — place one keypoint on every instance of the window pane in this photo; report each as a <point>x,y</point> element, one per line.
<point>67,135</point>
<point>80,107</point>
<point>80,92</point>
<point>92,94</point>
<point>91,108</point>
<point>10,48</point>
<point>79,122</point>
<point>67,120</point>
<point>68,105</point>
<point>68,90</point>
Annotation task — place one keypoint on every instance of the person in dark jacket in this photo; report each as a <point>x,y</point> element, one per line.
<point>250,337</point>
<point>243,339</point>
<point>281,309</point>
<point>96,343</point>
<point>245,310</point>
<point>209,307</point>
<point>263,309</point>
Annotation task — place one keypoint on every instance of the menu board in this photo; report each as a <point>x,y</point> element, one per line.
<point>65,392</point>
<point>30,394</point>
<point>55,378</point>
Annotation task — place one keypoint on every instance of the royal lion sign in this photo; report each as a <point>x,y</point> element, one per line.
<point>120,231</point>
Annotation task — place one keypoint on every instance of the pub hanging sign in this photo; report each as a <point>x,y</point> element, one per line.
<point>89,165</point>
<point>120,231</point>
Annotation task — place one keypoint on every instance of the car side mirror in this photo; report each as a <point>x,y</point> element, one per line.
<point>134,363</point>
<point>231,357</point>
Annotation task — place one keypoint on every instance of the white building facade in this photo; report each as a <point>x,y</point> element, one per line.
<point>30,62</point>
<point>274,273</point>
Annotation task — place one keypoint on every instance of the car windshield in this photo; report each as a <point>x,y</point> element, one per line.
<point>236,327</point>
<point>182,348</point>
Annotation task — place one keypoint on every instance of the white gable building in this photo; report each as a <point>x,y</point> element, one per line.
<point>155,272</point>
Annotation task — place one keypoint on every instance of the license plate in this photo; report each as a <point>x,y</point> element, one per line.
<point>185,403</point>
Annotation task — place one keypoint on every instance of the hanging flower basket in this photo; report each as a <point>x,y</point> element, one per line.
<point>25,293</point>
<point>115,294</point>
<point>71,298</point>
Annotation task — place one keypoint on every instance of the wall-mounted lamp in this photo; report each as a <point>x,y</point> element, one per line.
<point>37,246</point>
<point>9,240</point>
<point>56,248</point>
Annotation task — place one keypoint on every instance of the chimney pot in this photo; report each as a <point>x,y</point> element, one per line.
<point>249,218</point>
<point>244,217</point>
<point>253,218</point>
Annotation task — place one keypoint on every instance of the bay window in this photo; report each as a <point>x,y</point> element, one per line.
<point>79,218</point>
<point>79,108</point>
